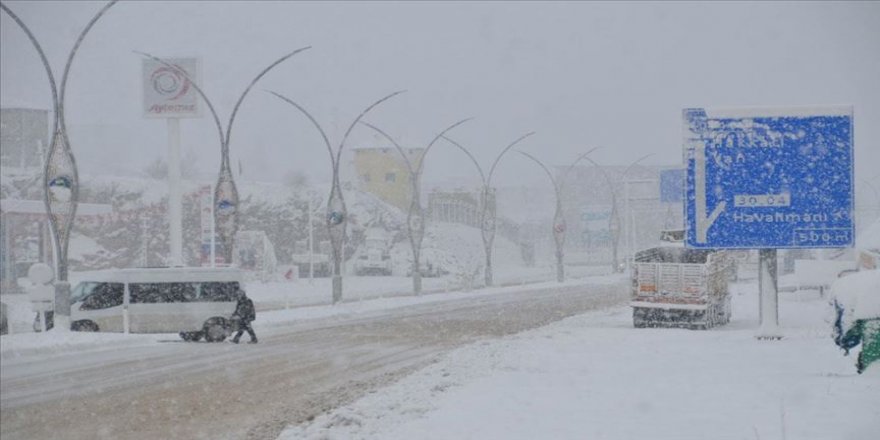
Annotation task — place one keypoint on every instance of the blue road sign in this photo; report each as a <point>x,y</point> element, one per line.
<point>671,186</point>
<point>769,178</point>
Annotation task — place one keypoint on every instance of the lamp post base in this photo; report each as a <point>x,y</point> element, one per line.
<point>337,288</point>
<point>61,318</point>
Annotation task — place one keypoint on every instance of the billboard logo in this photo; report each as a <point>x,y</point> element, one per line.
<point>170,82</point>
<point>167,89</point>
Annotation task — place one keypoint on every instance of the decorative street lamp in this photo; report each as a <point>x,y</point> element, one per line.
<point>558,217</point>
<point>614,219</point>
<point>226,201</point>
<point>60,177</point>
<point>487,216</point>
<point>415,220</point>
<point>337,216</point>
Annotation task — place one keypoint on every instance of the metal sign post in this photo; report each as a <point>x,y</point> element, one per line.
<point>175,202</point>
<point>769,295</point>
<point>168,93</point>
<point>767,179</point>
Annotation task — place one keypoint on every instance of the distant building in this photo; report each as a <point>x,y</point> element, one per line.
<point>588,206</point>
<point>457,206</point>
<point>383,172</point>
<point>24,137</point>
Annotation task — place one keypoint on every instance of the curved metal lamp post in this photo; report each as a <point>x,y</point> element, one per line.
<point>225,192</point>
<point>60,176</point>
<point>558,217</point>
<point>614,219</point>
<point>337,215</point>
<point>415,220</point>
<point>487,216</point>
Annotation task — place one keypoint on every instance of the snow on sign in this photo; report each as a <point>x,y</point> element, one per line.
<point>769,178</point>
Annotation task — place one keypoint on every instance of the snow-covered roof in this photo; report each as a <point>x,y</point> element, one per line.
<point>859,295</point>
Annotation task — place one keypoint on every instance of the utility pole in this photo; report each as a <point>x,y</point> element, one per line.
<point>311,242</point>
<point>337,214</point>
<point>60,175</point>
<point>416,215</point>
<point>558,228</point>
<point>144,240</point>
<point>487,195</point>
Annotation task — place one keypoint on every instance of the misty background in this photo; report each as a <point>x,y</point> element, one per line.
<point>581,75</point>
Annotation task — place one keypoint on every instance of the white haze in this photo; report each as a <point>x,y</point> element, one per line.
<point>579,74</point>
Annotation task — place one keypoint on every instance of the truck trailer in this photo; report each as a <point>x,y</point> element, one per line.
<point>673,286</point>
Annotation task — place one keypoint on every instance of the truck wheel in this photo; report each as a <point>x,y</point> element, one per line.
<point>215,330</point>
<point>84,326</point>
<point>639,319</point>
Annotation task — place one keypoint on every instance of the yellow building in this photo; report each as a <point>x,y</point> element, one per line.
<point>383,172</point>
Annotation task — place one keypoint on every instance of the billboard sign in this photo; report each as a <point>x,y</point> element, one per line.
<point>769,178</point>
<point>672,185</point>
<point>167,92</point>
<point>595,222</point>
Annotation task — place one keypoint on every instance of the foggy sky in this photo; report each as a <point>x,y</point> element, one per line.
<point>581,75</point>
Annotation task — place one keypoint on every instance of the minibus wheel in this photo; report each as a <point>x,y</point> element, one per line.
<point>215,330</point>
<point>191,336</point>
<point>84,326</point>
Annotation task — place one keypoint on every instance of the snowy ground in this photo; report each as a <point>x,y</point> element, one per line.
<point>591,376</point>
<point>595,377</point>
<point>303,292</point>
<point>281,304</point>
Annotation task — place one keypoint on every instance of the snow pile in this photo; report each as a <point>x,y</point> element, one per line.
<point>456,249</point>
<point>859,295</point>
<point>595,377</point>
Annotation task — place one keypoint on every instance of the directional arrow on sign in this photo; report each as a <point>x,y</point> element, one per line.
<point>703,222</point>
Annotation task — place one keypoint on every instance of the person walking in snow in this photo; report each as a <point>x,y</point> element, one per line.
<point>244,314</point>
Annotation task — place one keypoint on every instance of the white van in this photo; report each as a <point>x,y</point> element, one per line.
<point>194,302</point>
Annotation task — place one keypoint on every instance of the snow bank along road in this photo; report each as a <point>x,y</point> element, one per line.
<point>218,391</point>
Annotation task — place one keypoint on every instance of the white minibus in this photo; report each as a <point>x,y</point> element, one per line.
<point>194,302</point>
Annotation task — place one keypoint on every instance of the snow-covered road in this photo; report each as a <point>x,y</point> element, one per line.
<point>594,376</point>
<point>141,387</point>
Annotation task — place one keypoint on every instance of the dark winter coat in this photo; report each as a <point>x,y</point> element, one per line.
<point>244,310</point>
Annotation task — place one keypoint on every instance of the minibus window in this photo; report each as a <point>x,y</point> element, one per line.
<point>162,292</point>
<point>218,292</point>
<point>81,291</point>
<point>104,296</point>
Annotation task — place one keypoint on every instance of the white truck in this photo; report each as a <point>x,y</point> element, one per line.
<point>375,256</point>
<point>677,287</point>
